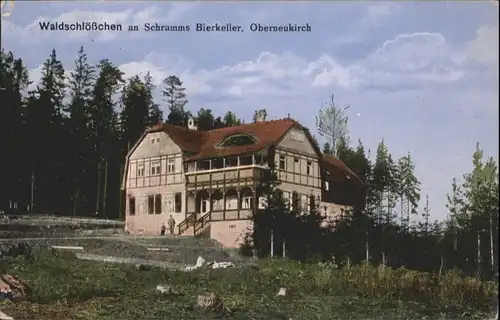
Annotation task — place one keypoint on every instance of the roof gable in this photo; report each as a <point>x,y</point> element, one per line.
<point>207,144</point>
<point>338,169</point>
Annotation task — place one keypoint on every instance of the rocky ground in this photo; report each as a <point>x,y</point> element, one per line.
<point>64,288</point>
<point>103,241</point>
<point>172,250</point>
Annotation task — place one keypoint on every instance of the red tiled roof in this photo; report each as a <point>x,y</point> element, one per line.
<point>205,143</point>
<point>187,140</point>
<point>336,167</point>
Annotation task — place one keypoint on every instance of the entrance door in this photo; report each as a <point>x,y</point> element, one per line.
<point>205,207</point>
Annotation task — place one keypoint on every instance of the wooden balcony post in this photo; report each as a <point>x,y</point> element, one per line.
<point>224,191</point>
<point>238,200</point>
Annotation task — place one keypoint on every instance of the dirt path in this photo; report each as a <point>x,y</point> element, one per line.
<point>118,237</point>
<point>112,259</point>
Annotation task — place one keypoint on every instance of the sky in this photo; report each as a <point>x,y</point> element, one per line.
<point>423,76</point>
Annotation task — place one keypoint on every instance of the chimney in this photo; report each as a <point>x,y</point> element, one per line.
<point>260,116</point>
<point>191,125</point>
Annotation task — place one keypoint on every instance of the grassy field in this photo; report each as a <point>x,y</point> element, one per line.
<point>66,288</point>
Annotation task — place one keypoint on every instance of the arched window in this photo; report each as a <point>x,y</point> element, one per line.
<point>237,140</point>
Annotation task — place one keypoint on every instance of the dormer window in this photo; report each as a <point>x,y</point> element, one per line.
<point>237,140</point>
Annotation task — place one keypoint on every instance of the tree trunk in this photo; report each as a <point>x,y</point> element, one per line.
<point>97,204</point>
<point>32,187</point>
<point>120,196</point>
<point>272,243</point>
<point>105,190</point>
<point>367,245</point>
<point>76,198</point>
<point>441,266</point>
<point>478,270</point>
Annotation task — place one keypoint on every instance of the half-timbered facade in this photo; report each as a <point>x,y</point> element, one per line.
<point>208,181</point>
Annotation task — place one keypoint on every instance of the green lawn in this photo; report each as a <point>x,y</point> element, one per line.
<point>66,288</point>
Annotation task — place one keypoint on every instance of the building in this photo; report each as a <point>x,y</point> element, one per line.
<point>209,180</point>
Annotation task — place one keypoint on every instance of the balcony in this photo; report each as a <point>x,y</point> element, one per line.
<point>225,175</point>
<point>225,170</point>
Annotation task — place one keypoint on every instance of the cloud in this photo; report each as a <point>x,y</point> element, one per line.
<point>412,60</point>
<point>409,61</point>
<point>33,35</point>
<point>484,48</point>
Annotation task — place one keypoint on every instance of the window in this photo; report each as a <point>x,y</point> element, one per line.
<point>178,202</point>
<point>282,163</point>
<point>151,204</point>
<point>170,206</point>
<point>296,164</point>
<point>157,140</point>
<point>304,201</point>
<point>171,166</point>
<point>309,168</point>
<point>158,204</point>
<point>218,205</point>
<point>204,206</point>
<point>237,140</point>
<point>153,141</point>
<point>247,203</point>
<point>155,168</point>
<point>327,186</point>
<point>140,170</point>
<point>131,206</point>
<point>287,198</point>
<point>295,201</point>
<point>312,203</point>
<point>231,203</point>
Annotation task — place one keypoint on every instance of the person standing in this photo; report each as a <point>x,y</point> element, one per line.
<point>163,229</point>
<point>171,225</point>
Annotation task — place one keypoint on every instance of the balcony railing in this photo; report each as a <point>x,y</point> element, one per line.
<point>253,172</point>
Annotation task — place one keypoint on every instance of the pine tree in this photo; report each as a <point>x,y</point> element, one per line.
<point>205,119</point>
<point>408,188</point>
<point>425,226</point>
<point>105,131</point>
<point>230,120</point>
<point>381,176</point>
<point>13,81</point>
<point>135,112</point>
<point>80,92</point>
<point>479,188</point>
<point>44,117</point>
<point>155,113</point>
<point>175,96</point>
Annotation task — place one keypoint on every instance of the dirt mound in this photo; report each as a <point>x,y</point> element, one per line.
<point>12,288</point>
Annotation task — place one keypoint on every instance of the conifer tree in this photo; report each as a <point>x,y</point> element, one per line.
<point>175,96</point>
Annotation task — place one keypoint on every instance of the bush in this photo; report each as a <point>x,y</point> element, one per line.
<point>451,290</point>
